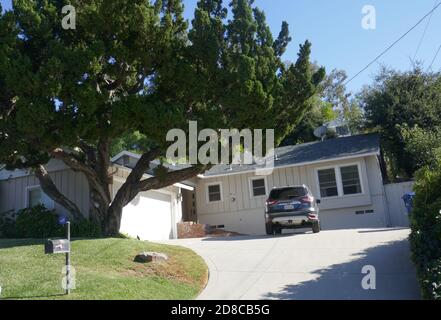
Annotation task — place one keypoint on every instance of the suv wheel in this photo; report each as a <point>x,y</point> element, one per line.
<point>316,227</point>
<point>278,231</point>
<point>269,229</point>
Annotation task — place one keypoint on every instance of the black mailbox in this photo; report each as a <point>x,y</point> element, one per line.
<point>57,246</point>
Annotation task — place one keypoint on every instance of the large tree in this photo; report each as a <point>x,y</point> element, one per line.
<point>397,102</point>
<point>136,66</point>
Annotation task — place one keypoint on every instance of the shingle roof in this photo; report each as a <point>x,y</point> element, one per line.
<point>331,149</point>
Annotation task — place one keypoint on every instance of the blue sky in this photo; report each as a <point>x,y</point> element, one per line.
<point>339,41</point>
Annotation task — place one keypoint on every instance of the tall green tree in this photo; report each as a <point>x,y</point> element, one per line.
<point>332,102</point>
<point>399,100</point>
<point>136,66</point>
<point>317,114</point>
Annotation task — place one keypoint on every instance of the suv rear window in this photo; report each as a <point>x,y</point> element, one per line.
<point>288,193</point>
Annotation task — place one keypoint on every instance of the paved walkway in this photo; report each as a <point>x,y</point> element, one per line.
<point>308,266</point>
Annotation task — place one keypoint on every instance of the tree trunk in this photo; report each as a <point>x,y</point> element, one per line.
<point>112,223</point>
<point>127,192</point>
<point>97,207</point>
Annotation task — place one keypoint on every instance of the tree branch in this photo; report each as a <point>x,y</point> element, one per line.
<point>103,159</point>
<point>113,85</point>
<point>171,178</point>
<point>138,86</point>
<point>128,190</point>
<point>88,150</point>
<point>143,165</point>
<point>52,191</point>
<point>72,162</point>
<point>77,165</point>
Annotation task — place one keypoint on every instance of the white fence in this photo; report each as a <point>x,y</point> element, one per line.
<point>397,209</point>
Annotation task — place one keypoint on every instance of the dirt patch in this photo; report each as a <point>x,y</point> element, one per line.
<point>192,230</point>
<point>171,270</point>
<point>223,233</point>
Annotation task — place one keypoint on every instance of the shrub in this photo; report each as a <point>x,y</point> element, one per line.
<point>85,229</point>
<point>426,230</point>
<point>38,222</point>
<point>7,224</point>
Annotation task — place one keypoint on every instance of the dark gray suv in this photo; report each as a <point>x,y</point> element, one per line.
<point>291,208</point>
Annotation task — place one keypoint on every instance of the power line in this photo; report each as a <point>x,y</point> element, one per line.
<point>393,44</point>
<point>424,33</point>
<point>434,58</point>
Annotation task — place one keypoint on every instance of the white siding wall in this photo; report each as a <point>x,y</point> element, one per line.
<point>241,213</point>
<point>73,185</point>
<point>398,212</point>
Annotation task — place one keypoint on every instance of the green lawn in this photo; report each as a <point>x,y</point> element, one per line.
<point>104,270</point>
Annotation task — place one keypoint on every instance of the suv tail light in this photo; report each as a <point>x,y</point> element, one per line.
<point>271,202</point>
<point>307,199</point>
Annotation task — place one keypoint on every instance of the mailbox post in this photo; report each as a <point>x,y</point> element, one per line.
<point>61,246</point>
<point>68,261</point>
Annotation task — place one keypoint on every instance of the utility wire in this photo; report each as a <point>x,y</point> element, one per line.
<point>424,33</point>
<point>393,44</point>
<point>434,58</point>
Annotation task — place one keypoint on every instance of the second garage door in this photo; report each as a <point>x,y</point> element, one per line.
<point>148,216</point>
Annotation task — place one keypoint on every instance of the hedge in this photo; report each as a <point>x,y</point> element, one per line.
<point>425,237</point>
<point>40,223</point>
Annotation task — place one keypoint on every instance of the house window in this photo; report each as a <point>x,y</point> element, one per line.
<point>36,197</point>
<point>258,187</point>
<point>214,192</point>
<point>350,180</point>
<point>340,181</point>
<point>328,183</point>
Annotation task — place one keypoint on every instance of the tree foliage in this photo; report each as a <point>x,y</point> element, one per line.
<point>318,113</point>
<point>331,103</point>
<point>400,100</point>
<point>137,66</point>
<point>130,141</point>
<point>424,145</point>
<point>425,238</point>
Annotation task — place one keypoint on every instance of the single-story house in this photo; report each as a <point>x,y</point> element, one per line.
<point>345,173</point>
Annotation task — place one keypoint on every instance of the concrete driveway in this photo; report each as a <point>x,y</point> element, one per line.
<point>308,266</point>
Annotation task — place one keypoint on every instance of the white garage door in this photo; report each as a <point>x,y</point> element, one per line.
<point>148,216</point>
